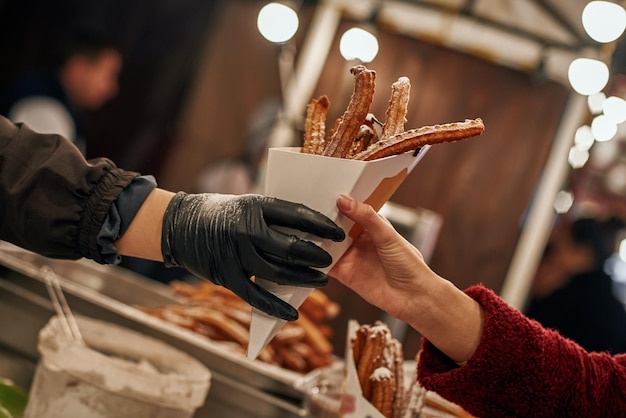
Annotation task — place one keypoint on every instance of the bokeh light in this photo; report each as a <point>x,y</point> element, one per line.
<point>583,139</point>
<point>588,76</point>
<point>604,21</point>
<point>357,43</point>
<point>603,128</point>
<point>614,108</point>
<point>577,157</point>
<point>277,22</point>
<point>563,201</point>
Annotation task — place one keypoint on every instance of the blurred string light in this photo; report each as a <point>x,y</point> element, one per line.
<point>358,43</point>
<point>577,157</point>
<point>614,108</point>
<point>588,76</point>
<point>594,102</point>
<point>604,21</point>
<point>277,22</point>
<point>583,139</point>
<point>563,201</point>
<point>603,128</point>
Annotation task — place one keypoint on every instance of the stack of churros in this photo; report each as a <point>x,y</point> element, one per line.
<point>218,314</point>
<point>379,362</point>
<point>358,135</point>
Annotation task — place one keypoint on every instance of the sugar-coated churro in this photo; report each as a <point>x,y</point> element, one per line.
<point>395,116</point>
<point>315,126</point>
<point>348,125</point>
<point>383,390</point>
<point>417,138</point>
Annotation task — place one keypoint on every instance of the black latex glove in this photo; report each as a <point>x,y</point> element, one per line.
<point>227,239</point>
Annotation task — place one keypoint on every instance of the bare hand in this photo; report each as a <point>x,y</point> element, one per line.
<point>381,266</point>
<point>388,272</point>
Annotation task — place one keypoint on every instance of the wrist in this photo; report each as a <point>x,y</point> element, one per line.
<point>169,228</point>
<point>448,318</point>
<point>426,293</point>
<point>142,239</point>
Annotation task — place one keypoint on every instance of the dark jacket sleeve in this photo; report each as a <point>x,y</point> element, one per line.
<point>521,369</point>
<point>53,201</point>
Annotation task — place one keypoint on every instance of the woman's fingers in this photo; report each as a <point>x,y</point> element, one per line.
<point>362,213</point>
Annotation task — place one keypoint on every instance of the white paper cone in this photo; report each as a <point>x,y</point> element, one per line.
<point>317,181</point>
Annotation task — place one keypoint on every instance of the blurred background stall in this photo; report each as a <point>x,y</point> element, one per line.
<point>196,74</point>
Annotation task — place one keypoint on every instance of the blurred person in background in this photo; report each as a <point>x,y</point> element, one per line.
<point>572,291</point>
<point>82,77</point>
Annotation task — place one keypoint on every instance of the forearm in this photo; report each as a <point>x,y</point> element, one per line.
<point>53,201</point>
<point>447,317</point>
<point>143,237</point>
<point>517,356</point>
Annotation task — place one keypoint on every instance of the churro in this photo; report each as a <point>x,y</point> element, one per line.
<point>395,116</point>
<point>383,390</point>
<point>414,401</point>
<point>348,125</point>
<point>358,343</point>
<point>354,134</point>
<point>315,126</point>
<point>417,138</point>
<point>220,322</point>
<point>319,307</point>
<point>216,313</point>
<point>372,356</point>
<point>313,336</point>
<point>397,356</point>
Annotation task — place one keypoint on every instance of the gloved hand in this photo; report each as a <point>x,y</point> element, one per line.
<point>227,239</point>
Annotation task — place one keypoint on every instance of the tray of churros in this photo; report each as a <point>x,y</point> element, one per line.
<point>361,157</point>
<point>207,321</point>
<point>218,314</point>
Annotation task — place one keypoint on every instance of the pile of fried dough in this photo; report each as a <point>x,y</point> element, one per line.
<point>219,314</point>
<point>355,134</point>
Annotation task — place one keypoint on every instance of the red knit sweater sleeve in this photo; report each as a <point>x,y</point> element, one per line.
<point>521,369</point>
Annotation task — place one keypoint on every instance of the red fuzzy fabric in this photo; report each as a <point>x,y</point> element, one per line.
<point>521,369</point>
